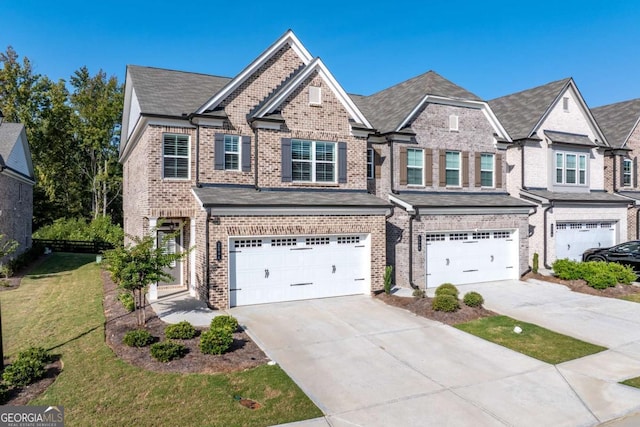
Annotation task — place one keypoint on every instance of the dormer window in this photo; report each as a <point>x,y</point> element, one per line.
<point>315,95</point>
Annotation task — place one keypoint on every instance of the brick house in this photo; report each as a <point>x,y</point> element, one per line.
<point>16,184</point>
<point>438,156</point>
<point>557,161</point>
<point>619,122</point>
<point>263,174</point>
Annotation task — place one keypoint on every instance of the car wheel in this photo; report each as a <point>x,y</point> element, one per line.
<point>596,258</point>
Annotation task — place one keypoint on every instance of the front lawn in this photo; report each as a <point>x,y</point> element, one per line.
<point>633,382</point>
<point>534,341</point>
<point>632,297</point>
<point>59,307</point>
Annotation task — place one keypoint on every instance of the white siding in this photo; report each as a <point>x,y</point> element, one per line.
<point>18,157</point>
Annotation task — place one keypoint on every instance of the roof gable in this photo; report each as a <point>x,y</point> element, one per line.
<point>14,149</point>
<point>287,38</point>
<point>618,121</point>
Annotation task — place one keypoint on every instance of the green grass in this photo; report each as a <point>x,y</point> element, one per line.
<point>632,297</point>
<point>59,307</point>
<point>534,341</point>
<point>633,382</point>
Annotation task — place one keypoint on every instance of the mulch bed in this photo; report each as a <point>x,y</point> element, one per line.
<point>244,353</point>
<point>422,307</point>
<point>14,281</point>
<point>582,287</point>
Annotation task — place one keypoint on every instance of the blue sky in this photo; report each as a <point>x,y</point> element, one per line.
<point>491,48</point>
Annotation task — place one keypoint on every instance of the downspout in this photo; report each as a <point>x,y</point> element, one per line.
<point>529,234</point>
<point>411,218</point>
<point>206,257</point>
<point>546,211</point>
<point>197,151</point>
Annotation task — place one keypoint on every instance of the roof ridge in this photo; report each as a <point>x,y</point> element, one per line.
<point>178,71</point>
<point>565,80</point>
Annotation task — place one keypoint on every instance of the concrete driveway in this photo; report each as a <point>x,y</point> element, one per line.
<point>368,364</point>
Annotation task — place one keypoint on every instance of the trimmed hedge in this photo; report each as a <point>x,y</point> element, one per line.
<point>166,351</point>
<point>216,340</point>
<point>473,299</point>
<point>225,321</point>
<point>180,331</point>
<point>138,338</point>
<point>446,303</point>
<point>597,274</point>
<point>447,289</point>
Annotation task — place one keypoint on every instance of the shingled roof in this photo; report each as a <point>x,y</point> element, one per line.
<point>388,108</point>
<point>520,112</point>
<point>618,120</point>
<point>172,93</point>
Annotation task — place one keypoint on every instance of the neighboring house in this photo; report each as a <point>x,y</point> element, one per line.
<point>16,184</point>
<point>263,175</point>
<point>557,162</point>
<point>619,122</point>
<point>439,157</point>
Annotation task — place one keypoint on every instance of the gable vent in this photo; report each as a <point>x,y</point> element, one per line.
<point>453,122</point>
<point>315,95</point>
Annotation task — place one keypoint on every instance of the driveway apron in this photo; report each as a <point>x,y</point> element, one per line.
<point>368,364</point>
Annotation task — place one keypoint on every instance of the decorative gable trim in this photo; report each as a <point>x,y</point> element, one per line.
<point>287,38</point>
<point>478,105</point>
<point>315,65</point>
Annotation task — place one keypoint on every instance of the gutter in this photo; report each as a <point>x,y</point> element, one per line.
<point>544,240</point>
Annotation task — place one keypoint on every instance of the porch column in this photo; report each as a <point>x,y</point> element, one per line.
<point>192,256</point>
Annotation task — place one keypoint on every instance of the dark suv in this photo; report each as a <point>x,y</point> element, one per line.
<point>627,253</point>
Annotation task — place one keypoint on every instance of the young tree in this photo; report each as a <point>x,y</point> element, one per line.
<point>7,247</point>
<point>136,266</point>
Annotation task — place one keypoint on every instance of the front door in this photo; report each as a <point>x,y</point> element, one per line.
<point>171,245</point>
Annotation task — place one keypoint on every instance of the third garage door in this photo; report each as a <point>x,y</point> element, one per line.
<point>461,257</point>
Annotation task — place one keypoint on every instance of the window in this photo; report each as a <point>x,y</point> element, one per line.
<point>232,152</point>
<point>414,166</point>
<point>453,122</point>
<point>627,167</point>
<point>565,104</point>
<point>313,161</point>
<point>175,156</point>
<point>571,169</point>
<point>370,157</point>
<point>486,170</point>
<point>452,168</point>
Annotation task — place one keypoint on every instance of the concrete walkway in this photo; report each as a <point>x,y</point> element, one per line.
<point>368,364</point>
<point>176,306</point>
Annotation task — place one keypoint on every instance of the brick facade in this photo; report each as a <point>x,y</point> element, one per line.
<point>16,211</point>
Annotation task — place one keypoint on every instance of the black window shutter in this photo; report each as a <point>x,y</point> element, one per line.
<point>286,160</point>
<point>342,162</point>
<point>219,151</point>
<point>634,177</point>
<point>246,154</point>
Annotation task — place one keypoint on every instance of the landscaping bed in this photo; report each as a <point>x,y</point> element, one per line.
<point>422,307</point>
<point>243,354</point>
<point>579,285</point>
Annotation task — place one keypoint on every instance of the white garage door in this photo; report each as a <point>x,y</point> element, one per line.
<point>272,269</point>
<point>573,238</point>
<point>471,256</point>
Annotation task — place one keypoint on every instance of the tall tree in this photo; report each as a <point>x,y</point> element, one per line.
<point>97,105</point>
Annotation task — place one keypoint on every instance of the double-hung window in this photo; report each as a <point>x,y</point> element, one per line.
<point>313,161</point>
<point>486,170</point>
<point>370,165</point>
<point>627,167</point>
<point>175,156</point>
<point>415,160</point>
<point>452,168</point>
<point>571,169</point>
<point>231,152</point>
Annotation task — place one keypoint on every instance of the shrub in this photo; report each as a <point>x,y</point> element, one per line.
<point>138,338</point>
<point>26,258</point>
<point>597,274</point>
<point>447,289</point>
<point>566,269</point>
<point>4,393</point>
<point>37,353</point>
<point>419,293</point>
<point>473,299</point>
<point>388,271</point>
<point>180,331</point>
<point>624,273</point>
<point>166,351</point>
<point>101,229</point>
<point>536,263</point>
<point>126,298</point>
<point>24,371</point>
<point>228,322</point>
<point>445,302</point>
<point>216,340</point>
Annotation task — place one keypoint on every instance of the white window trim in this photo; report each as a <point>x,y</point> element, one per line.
<point>238,153</point>
<point>627,174</point>
<point>459,169</point>
<point>421,168</point>
<point>577,169</point>
<point>454,123</point>
<point>188,157</point>
<point>493,170</point>
<point>314,162</point>
<point>370,163</point>
<point>315,95</point>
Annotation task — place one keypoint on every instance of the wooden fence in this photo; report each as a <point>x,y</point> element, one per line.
<point>78,246</point>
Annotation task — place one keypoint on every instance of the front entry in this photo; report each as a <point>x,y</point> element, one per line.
<point>171,245</point>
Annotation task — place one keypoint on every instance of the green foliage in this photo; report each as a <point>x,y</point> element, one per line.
<point>4,393</point>
<point>24,371</point>
<point>445,302</point>
<point>597,274</point>
<point>419,293</point>
<point>25,258</point>
<point>126,298</point>
<point>166,351</point>
<point>388,275</point>
<point>101,229</point>
<point>7,247</point>
<point>216,340</point>
<point>473,299</point>
<point>138,338</point>
<point>224,321</point>
<point>37,353</point>
<point>447,289</point>
<point>536,262</point>
<point>180,331</point>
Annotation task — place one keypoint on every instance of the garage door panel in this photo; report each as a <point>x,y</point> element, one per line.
<point>573,238</point>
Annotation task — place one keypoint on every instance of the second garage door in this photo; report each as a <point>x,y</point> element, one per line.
<point>287,268</point>
<point>573,238</point>
<point>461,257</point>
